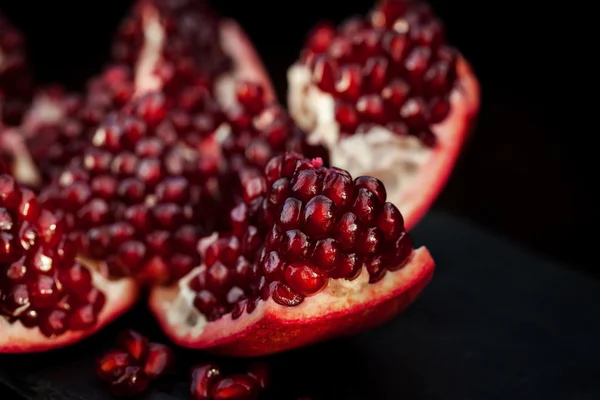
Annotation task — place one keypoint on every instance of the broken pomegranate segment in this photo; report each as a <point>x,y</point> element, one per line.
<point>16,83</point>
<point>313,254</point>
<point>178,44</point>
<point>388,97</point>
<point>130,368</point>
<point>49,297</point>
<point>179,48</point>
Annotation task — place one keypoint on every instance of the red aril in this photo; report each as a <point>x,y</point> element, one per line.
<point>388,97</point>
<point>49,297</point>
<point>315,254</point>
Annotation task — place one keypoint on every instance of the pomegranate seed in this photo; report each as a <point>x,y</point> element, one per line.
<point>133,343</point>
<point>204,377</point>
<point>304,279</point>
<point>349,81</point>
<point>370,108</point>
<point>236,387</point>
<point>261,372</point>
<point>130,382</point>
<point>159,360</point>
<point>112,364</point>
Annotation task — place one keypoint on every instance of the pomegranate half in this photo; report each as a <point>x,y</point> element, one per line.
<point>313,254</point>
<point>387,97</point>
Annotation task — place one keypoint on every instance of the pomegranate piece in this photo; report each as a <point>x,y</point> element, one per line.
<point>331,257</point>
<point>387,93</point>
<point>177,44</point>
<point>49,297</point>
<point>16,83</point>
<point>131,368</point>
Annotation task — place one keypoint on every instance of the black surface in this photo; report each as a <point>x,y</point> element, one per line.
<point>497,322</point>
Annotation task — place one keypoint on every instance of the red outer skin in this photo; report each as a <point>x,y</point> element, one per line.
<point>273,328</point>
<point>418,197</point>
<point>247,63</point>
<point>18,339</point>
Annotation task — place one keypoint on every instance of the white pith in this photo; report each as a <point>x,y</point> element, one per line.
<point>393,159</point>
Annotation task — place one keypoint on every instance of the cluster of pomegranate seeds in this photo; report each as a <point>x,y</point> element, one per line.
<point>209,383</point>
<point>392,69</point>
<point>191,52</point>
<point>16,83</point>
<point>300,225</point>
<point>258,131</point>
<point>138,193</point>
<point>41,282</point>
<point>53,145</point>
<point>134,364</point>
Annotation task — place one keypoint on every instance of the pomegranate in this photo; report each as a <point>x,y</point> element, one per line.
<point>16,81</point>
<point>388,97</point>
<point>173,47</point>
<point>130,368</point>
<point>313,254</point>
<point>49,297</point>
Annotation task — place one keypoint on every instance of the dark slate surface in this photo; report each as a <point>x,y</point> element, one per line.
<point>497,322</point>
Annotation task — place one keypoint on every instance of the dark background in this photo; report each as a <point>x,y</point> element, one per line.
<point>527,172</point>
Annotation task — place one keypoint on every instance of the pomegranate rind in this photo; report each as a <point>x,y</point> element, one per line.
<point>120,296</point>
<point>272,328</point>
<point>418,196</point>
<point>247,64</point>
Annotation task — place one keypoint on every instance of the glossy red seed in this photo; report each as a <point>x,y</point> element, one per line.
<point>112,364</point>
<point>132,381</point>
<point>159,360</point>
<point>319,216</point>
<point>204,377</point>
<point>286,296</point>
<point>239,387</point>
<point>304,278</point>
<point>323,73</point>
<point>260,371</point>
<point>349,82</point>
<point>133,343</point>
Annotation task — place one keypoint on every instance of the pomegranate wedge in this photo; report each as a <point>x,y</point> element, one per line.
<point>49,298</point>
<point>389,98</point>
<point>177,44</point>
<point>179,48</point>
<point>313,254</point>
